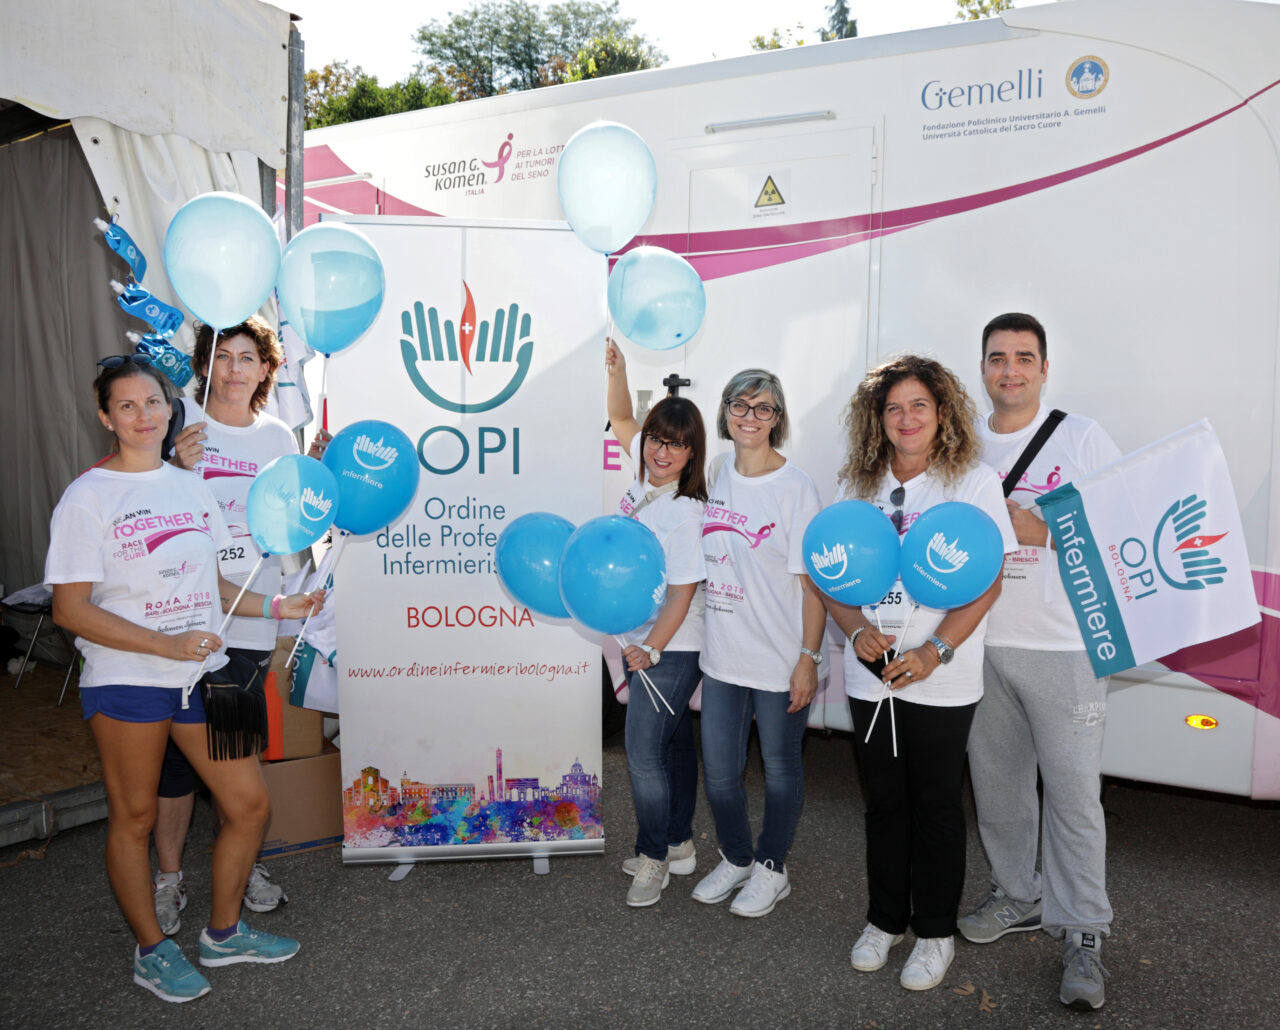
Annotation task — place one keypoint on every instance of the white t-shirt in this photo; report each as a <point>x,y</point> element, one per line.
<point>677,523</point>
<point>233,455</point>
<point>1033,611</point>
<point>148,543</point>
<point>959,682</point>
<point>752,530</point>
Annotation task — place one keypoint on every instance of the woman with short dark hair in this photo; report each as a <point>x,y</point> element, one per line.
<point>669,452</point>
<point>763,657</point>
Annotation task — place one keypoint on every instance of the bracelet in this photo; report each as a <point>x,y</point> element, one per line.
<point>853,637</point>
<point>275,607</point>
<point>266,607</point>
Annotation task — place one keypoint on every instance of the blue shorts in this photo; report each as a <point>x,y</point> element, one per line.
<point>141,704</point>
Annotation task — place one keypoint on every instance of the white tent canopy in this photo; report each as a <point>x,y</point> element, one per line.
<point>164,101</point>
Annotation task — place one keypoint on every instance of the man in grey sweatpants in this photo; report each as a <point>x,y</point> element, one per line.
<point>1042,706</point>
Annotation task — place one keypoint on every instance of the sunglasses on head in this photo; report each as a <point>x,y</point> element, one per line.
<point>116,360</point>
<point>896,498</point>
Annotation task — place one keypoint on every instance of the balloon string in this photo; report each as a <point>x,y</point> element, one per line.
<point>208,377</point>
<point>337,553</point>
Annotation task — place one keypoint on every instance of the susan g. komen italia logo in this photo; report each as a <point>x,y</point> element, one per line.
<point>451,363</point>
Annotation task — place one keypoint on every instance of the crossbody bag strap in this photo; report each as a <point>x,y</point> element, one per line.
<point>1032,449</point>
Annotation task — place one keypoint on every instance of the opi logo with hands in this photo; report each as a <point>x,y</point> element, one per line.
<point>315,506</point>
<point>945,557</point>
<point>373,456</point>
<point>832,562</point>
<point>494,354</point>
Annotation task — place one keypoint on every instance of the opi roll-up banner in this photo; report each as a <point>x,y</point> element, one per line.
<point>1152,553</point>
<point>470,725</point>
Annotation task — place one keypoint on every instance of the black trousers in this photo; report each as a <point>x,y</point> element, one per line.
<point>915,818</point>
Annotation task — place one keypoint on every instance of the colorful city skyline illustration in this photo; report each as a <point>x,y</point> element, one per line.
<point>378,814</point>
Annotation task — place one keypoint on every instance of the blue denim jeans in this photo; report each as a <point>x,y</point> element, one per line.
<point>660,753</point>
<point>726,726</point>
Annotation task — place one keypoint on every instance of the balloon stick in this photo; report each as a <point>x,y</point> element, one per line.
<point>893,722</point>
<point>333,564</point>
<point>227,620</point>
<point>648,684</point>
<point>208,377</point>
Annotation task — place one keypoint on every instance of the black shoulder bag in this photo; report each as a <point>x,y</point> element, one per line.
<point>1032,449</point>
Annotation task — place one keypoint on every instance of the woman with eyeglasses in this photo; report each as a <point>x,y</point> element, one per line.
<point>669,452</point>
<point>912,445</point>
<point>133,565</point>
<point>763,656</point>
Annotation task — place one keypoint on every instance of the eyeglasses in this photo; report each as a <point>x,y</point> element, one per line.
<point>896,498</point>
<point>761,412</point>
<point>656,443</point>
<point>116,360</point>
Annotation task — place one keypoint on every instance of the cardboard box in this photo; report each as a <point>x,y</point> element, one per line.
<point>306,804</point>
<point>292,732</point>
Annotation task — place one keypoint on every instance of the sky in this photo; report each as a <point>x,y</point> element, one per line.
<point>377,34</point>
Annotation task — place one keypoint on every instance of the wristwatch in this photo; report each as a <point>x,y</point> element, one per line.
<point>655,656</point>
<point>945,651</point>
<point>815,655</point>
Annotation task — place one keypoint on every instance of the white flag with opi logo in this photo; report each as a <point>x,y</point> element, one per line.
<point>1152,552</point>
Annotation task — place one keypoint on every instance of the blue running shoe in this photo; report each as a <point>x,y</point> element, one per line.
<point>246,945</point>
<point>168,975</point>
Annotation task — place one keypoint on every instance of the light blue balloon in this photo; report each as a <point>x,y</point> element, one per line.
<point>292,504</point>
<point>331,285</point>
<point>656,298</point>
<point>950,555</point>
<point>607,182</point>
<point>528,560</point>
<point>222,255</point>
<point>851,552</point>
<point>613,575</point>
<point>377,471</point>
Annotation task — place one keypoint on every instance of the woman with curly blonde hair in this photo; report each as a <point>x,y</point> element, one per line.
<point>912,445</point>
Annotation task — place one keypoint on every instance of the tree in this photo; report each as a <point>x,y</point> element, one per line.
<point>778,39</point>
<point>610,55</point>
<point>972,10</point>
<point>336,78</point>
<point>500,45</point>
<point>366,99</point>
<point>839,24</point>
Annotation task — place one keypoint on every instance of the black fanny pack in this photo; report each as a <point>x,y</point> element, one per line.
<point>235,708</point>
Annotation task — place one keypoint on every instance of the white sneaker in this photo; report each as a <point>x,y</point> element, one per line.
<point>682,860</point>
<point>261,896</point>
<point>722,881</point>
<point>171,899</point>
<point>872,950</point>
<point>646,888</point>
<point>762,892</point>
<point>930,959</point>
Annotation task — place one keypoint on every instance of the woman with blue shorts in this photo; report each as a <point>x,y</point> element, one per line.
<point>133,565</point>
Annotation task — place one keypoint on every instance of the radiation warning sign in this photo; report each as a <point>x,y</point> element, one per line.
<point>770,195</point>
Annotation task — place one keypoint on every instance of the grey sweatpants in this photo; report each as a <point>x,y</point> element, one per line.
<point>1045,709</point>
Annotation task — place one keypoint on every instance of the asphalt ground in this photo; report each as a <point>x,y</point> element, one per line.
<point>1193,880</point>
